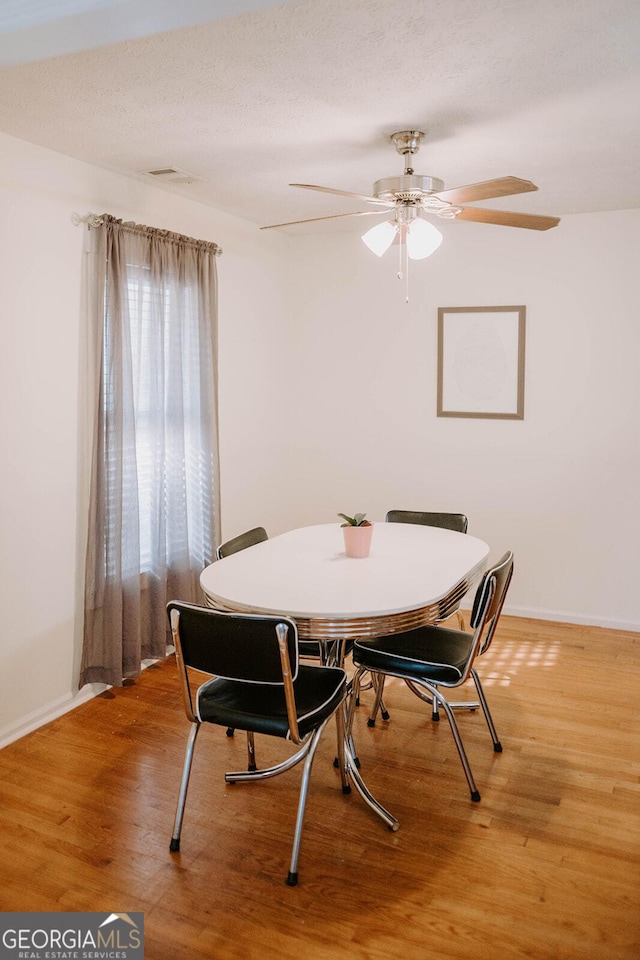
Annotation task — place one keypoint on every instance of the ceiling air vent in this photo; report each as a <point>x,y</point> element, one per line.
<point>173,175</point>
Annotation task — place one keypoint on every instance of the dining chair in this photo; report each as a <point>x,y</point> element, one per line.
<point>256,683</point>
<point>247,539</point>
<point>330,651</point>
<point>448,521</point>
<point>243,540</point>
<point>327,652</point>
<point>431,657</point>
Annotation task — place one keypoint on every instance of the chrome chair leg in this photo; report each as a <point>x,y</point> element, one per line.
<point>377,681</point>
<point>306,753</point>
<point>366,794</point>
<point>354,696</point>
<point>184,784</point>
<point>351,760</point>
<point>292,877</point>
<point>264,773</point>
<point>497,746</point>
<point>251,751</point>
<point>426,698</point>
<point>475,794</point>
<point>251,748</point>
<point>455,705</point>
<point>352,763</point>
<point>348,708</point>
<point>340,761</point>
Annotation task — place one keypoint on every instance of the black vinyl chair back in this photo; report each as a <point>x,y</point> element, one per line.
<point>449,521</point>
<point>219,643</point>
<point>489,600</point>
<point>247,539</point>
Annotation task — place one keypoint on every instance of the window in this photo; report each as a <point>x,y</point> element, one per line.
<point>153,518</point>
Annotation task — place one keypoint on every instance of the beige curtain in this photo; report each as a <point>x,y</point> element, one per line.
<point>154,514</point>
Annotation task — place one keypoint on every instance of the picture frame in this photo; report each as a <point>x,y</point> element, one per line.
<point>481,354</point>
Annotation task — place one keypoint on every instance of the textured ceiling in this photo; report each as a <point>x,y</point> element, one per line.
<point>546,90</point>
<point>36,29</point>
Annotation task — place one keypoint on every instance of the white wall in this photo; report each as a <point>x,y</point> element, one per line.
<point>42,481</point>
<point>559,488</point>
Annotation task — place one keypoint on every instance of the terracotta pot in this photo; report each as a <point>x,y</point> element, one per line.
<point>357,540</point>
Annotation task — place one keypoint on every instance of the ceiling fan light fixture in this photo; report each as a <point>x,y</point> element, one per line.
<point>423,239</point>
<point>380,237</point>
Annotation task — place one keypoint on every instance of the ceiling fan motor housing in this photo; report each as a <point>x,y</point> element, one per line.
<point>410,187</point>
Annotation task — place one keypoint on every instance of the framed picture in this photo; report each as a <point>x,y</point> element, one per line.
<point>481,362</point>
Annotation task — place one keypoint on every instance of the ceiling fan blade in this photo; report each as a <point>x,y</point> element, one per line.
<point>345,193</point>
<point>336,216</point>
<point>487,190</point>
<point>504,218</point>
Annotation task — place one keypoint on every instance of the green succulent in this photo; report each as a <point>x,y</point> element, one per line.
<point>357,520</point>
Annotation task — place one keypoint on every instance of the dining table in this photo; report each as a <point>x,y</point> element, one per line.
<point>414,575</point>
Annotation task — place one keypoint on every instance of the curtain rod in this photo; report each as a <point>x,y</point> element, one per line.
<point>97,219</point>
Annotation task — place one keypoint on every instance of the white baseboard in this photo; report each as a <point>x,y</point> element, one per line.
<point>56,709</point>
<point>49,712</point>
<point>559,616</point>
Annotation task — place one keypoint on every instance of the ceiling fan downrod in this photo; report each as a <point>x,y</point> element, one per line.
<point>407,144</point>
<point>409,187</point>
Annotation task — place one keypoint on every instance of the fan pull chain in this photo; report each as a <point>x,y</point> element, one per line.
<point>406,273</point>
<point>403,268</point>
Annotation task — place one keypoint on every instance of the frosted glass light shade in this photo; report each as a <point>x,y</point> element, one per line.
<point>380,237</point>
<point>422,239</point>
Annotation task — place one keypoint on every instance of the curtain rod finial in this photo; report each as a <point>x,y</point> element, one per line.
<point>91,219</point>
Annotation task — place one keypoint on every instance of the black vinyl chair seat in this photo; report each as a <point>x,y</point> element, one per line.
<point>430,653</point>
<point>263,709</point>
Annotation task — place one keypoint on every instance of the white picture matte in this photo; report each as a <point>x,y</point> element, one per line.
<point>481,362</point>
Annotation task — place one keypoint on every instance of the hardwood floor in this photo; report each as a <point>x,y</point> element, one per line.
<point>545,867</point>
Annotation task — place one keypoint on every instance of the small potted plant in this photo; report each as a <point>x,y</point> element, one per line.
<point>357,531</point>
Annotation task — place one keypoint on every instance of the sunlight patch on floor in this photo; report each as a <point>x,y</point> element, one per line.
<point>511,657</point>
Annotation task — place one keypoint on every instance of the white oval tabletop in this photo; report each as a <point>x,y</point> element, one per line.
<point>305,573</point>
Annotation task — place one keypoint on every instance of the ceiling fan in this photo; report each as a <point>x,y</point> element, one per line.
<point>413,197</point>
